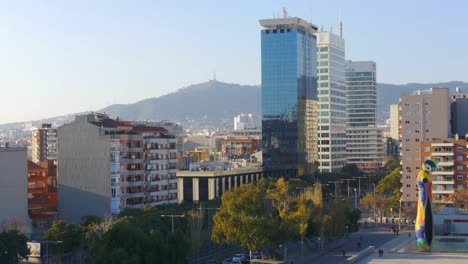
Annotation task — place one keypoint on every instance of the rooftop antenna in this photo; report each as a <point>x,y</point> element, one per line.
<point>341,27</point>
<point>214,76</point>
<point>285,13</point>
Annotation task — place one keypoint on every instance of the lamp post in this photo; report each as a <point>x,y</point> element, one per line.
<point>172,216</point>
<point>348,180</point>
<point>209,225</point>
<point>355,198</point>
<point>399,216</point>
<point>336,187</point>
<point>359,180</point>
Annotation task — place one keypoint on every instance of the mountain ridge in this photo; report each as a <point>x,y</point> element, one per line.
<point>214,103</point>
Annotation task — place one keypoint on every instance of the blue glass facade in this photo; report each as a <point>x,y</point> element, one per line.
<point>289,80</point>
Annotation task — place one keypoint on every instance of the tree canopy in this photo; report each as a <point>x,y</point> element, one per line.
<point>13,246</point>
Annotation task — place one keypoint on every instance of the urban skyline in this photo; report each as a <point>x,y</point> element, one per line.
<point>110,51</point>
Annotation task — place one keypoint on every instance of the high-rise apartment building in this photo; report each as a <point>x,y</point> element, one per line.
<point>247,122</point>
<point>451,174</point>
<point>14,189</point>
<point>44,143</point>
<point>106,165</point>
<point>424,116</point>
<point>459,112</point>
<point>394,122</point>
<point>331,101</point>
<point>365,145</point>
<point>289,93</point>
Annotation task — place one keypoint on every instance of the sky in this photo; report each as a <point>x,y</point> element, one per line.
<point>62,57</point>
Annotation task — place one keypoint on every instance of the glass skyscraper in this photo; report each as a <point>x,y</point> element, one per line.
<point>289,95</point>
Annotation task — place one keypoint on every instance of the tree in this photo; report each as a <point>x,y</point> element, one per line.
<point>13,246</point>
<point>70,234</point>
<point>459,198</point>
<point>390,184</point>
<point>243,218</point>
<point>376,202</point>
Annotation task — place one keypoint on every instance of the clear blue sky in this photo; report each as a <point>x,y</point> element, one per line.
<point>60,57</point>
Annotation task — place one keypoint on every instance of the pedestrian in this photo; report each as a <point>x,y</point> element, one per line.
<point>409,234</point>
<point>359,244</point>
<point>397,231</point>
<point>381,252</point>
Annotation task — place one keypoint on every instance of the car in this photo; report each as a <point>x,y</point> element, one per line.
<point>237,258</point>
<point>256,255</point>
<point>226,261</point>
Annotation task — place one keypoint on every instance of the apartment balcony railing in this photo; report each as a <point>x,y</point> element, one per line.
<point>442,191</point>
<point>445,163</point>
<point>131,149</point>
<point>442,154</point>
<point>443,182</point>
<point>443,173</point>
<point>131,172</point>
<point>130,160</point>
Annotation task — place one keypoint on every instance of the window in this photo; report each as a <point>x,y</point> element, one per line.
<point>427,130</point>
<point>406,104</point>
<point>459,177</point>
<point>408,131</point>
<point>408,195</point>
<point>408,185</point>
<point>416,131</point>
<point>460,158</point>
<point>459,168</point>
<point>408,149</point>
<point>459,148</point>
<point>416,112</point>
<point>407,122</point>
<point>418,150</point>
<point>416,122</point>
<point>407,140</point>
<point>408,176</point>
<point>408,168</point>
<point>426,103</point>
<point>416,139</point>
<point>408,158</point>
<point>460,186</point>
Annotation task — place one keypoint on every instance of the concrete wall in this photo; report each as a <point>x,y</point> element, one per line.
<point>83,171</point>
<point>14,187</point>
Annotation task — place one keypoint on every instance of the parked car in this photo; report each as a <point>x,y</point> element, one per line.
<point>226,261</point>
<point>238,257</point>
<point>256,255</point>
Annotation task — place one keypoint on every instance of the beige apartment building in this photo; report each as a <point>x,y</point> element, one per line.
<point>423,116</point>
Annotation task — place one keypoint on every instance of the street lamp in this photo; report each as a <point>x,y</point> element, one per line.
<point>348,183</point>
<point>399,216</point>
<point>359,179</point>
<point>172,216</point>
<point>355,198</point>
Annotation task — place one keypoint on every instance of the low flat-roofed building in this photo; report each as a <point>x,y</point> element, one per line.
<point>208,185</point>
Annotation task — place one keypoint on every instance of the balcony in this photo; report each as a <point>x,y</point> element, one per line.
<point>443,173</point>
<point>131,172</point>
<point>445,163</point>
<point>443,182</point>
<point>129,160</point>
<point>442,154</point>
<point>131,195</point>
<point>131,149</point>
<point>442,191</point>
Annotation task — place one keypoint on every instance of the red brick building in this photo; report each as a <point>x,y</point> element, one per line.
<point>451,158</point>
<point>239,147</point>
<point>42,193</point>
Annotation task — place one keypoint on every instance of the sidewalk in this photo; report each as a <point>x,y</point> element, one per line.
<point>391,246</point>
